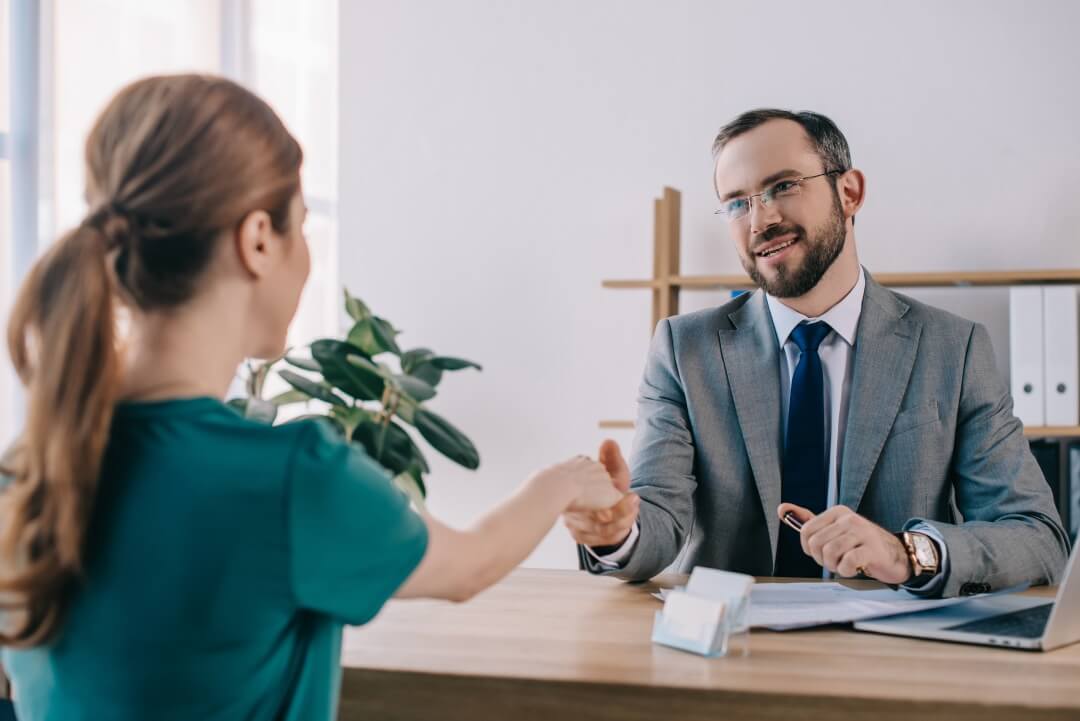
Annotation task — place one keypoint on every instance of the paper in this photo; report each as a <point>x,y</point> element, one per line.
<point>785,606</point>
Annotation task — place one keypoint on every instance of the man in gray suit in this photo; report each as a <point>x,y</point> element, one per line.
<point>878,422</point>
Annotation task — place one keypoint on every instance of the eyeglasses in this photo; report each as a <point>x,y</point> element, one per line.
<point>736,208</point>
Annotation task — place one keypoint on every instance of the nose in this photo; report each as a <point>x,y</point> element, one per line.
<point>762,216</point>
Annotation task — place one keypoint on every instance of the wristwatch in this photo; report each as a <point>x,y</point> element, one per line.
<point>922,554</point>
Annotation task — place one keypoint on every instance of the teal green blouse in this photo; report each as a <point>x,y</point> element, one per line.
<point>223,559</point>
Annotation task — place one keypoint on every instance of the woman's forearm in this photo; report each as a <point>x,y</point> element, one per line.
<point>507,534</point>
<point>459,564</point>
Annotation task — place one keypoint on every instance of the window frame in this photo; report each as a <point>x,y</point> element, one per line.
<point>27,145</point>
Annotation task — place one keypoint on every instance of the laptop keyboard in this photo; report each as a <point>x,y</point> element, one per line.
<point>1027,623</point>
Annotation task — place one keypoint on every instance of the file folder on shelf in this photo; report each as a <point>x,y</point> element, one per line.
<point>1026,354</point>
<point>1073,516</point>
<point>1061,353</point>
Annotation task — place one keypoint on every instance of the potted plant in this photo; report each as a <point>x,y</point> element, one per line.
<point>371,392</point>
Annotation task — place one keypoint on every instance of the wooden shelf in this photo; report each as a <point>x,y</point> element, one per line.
<point>895,280</point>
<point>1030,432</point>
<point>1052,432</point>
<point>611,425</point>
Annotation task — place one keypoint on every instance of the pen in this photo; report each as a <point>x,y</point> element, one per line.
<point>792,521</point>
<point>796,524</point>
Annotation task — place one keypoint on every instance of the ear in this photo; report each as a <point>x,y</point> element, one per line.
<point>254,243</point>
<point>852,189</point>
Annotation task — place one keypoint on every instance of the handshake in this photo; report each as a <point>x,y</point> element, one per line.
<point>604,510</point>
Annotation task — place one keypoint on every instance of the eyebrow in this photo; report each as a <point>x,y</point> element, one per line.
<point>765,182</point>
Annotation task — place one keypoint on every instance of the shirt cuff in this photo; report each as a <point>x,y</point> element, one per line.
<point>935,583</point>
<point>616,558</point>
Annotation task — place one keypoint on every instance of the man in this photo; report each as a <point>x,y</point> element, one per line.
<point>878,422</point>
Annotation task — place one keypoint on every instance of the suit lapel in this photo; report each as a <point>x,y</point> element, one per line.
<point>885,347</point>
<point>752,364</point>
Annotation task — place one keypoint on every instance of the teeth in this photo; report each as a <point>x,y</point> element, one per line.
<point>777,249</point>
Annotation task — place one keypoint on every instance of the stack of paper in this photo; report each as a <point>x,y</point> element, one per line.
<point>784,606</point>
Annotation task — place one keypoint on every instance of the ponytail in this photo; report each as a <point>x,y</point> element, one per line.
<point>172,164</point>
<point>63,345</point>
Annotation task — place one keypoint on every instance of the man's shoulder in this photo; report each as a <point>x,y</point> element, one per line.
<point>934,320</point>
<point>708,320</point>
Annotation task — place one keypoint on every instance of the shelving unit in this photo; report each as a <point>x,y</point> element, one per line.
<point>667,283</point>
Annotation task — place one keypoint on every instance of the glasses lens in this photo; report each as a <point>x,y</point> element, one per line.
<point>784,189</point>
<point>735,209</point>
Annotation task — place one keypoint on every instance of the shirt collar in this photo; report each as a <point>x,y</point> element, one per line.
<point>842,317</point>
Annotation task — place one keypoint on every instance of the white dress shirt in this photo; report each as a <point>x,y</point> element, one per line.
<point>836,353</point>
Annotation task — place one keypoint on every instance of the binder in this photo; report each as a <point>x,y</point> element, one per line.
<point>1072,518</point>
<point>1026,354</point>
<point>1061,355</point>
<point>1048,455</point>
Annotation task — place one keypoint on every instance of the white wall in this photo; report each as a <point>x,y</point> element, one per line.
<point>499,158</point>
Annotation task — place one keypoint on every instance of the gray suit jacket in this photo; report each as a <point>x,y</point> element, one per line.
<point>930,437</point>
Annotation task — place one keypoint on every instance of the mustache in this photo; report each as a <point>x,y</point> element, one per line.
<point>775,232</point>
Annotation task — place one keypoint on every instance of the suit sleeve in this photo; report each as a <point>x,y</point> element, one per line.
<point>1011,531</point>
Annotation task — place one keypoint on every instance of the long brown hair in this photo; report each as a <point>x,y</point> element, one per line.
<point>172,164</point>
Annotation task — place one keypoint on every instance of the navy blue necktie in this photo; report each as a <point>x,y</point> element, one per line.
<point>805,468</point>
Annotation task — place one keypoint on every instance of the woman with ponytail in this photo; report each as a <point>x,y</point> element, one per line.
<point>160,556</point>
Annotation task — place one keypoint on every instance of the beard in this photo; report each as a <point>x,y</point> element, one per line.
<point>822,250</point>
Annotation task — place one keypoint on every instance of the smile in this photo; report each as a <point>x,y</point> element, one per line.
<point>776,248</point>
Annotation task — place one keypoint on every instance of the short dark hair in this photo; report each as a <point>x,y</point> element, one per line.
<point>829,143</point>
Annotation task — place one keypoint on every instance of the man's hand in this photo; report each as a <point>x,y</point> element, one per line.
<point>847,544</point>
<point>611,526</point>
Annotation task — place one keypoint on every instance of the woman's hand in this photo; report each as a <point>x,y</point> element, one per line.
<point>590,484</point>
<point>609,526</point>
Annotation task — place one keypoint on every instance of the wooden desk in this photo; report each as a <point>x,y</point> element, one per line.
<point>565,645</point>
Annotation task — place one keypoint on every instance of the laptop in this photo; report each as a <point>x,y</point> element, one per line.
<point>1006,620</point>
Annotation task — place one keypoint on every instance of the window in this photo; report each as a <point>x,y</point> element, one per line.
<point>5,83</point>
<point>285,51</point>
<point>86,50</point>
<point>98,47</point>
<point>7,381</point>
<point>293,66</point>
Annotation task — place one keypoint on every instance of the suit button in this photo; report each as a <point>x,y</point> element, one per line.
<point>971,589</point>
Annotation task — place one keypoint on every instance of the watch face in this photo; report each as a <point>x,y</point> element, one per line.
<point>924,551</point>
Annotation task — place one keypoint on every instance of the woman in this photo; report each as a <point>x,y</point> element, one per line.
<point>160,556</point>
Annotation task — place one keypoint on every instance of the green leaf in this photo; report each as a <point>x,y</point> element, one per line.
<point>447,363</point>
<point>374,336</point>
<point>399,452</point>
<point>406,409</point>
<point>331,421</point>
<point>351,379</point>
<point>307,364</point>
<point>410,359</point>
<point>363,337</point>
<point>289,397</point>
<point>314,390</point>
<point>255,409</point>
<point>355,307</point>
<point>427,373</point>
<point>446,439</point>
<point>382,371</point>
<point>349,418</point>
<point>415,388</point>
<point>413,487</point>
<point>385,335</point>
